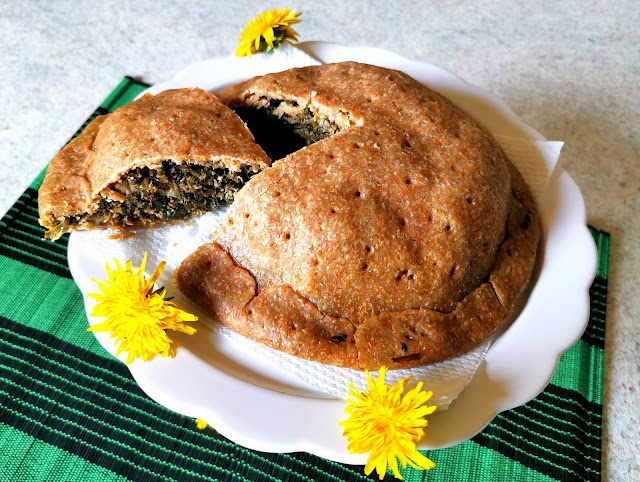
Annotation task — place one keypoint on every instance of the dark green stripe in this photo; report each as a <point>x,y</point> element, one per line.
<point>38,422</point>
<point>596,324</point>
<point>540,450</point>
<point>88,388</point>
<point>30,199</point>
<point>103,428</point>
<point>595,331</point>
<point>545,419</point>
<point>593,339</point>
<point>101,372</point>
<point>35,235</point>
<point>583,413</point>
<point>149,454</point>
<point>513,448</point>
<point>521,450</point>
<point>26,209</point>
<point>514,435</point>
<point>19,238</point>
<point>25,458</point>
<point>17,255</point>
<point>16,237</point>
<point>29,227</point>
<point>567,446</point>
<point>599,291</point>
<point>30,250</point>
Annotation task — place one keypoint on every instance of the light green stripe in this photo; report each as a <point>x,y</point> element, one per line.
<point>472,462</point>
<point>124,93</point>
<point>580,369</point>
<point>47,302</point>
<point>27,458</point>
<point>35,184</point>
<point>603,243</point>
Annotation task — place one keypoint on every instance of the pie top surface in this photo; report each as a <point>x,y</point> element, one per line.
<point>404,239</point>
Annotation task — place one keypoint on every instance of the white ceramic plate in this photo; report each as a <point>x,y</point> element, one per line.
<point>260,406</point>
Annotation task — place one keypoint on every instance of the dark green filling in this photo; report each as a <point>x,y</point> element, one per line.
<point>281,134</point>
<point>175,191</point>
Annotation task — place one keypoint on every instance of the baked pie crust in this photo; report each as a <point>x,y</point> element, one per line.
<point>400,236</point>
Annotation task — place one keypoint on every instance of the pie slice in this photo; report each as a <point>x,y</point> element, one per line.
<point>159,159</point>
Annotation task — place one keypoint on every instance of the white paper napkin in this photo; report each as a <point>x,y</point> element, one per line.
<point>534,159</point>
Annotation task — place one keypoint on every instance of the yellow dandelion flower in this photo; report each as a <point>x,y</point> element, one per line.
<point>387,424</point>
<point>267,31</point>
<point>136,316</point>
<point>201,424</point>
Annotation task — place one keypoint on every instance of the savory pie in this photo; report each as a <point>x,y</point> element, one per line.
<point>400,235</point>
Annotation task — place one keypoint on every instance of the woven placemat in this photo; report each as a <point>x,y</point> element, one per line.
<point>70,411</point>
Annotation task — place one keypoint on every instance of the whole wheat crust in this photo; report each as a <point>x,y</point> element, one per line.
<point>403,239</point>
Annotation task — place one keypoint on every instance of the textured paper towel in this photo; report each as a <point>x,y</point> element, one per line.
<point>534,159</point>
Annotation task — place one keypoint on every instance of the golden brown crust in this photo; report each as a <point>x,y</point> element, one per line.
<point>394,225</point>
<point>65,188</point>
<point>183,125</point>
<point>277,317</point>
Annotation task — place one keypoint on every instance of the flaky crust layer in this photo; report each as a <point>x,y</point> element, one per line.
<point>403,240</point>
<point>182,125</point>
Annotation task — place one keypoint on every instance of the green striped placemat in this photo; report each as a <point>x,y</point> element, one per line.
<point>70,411</point>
